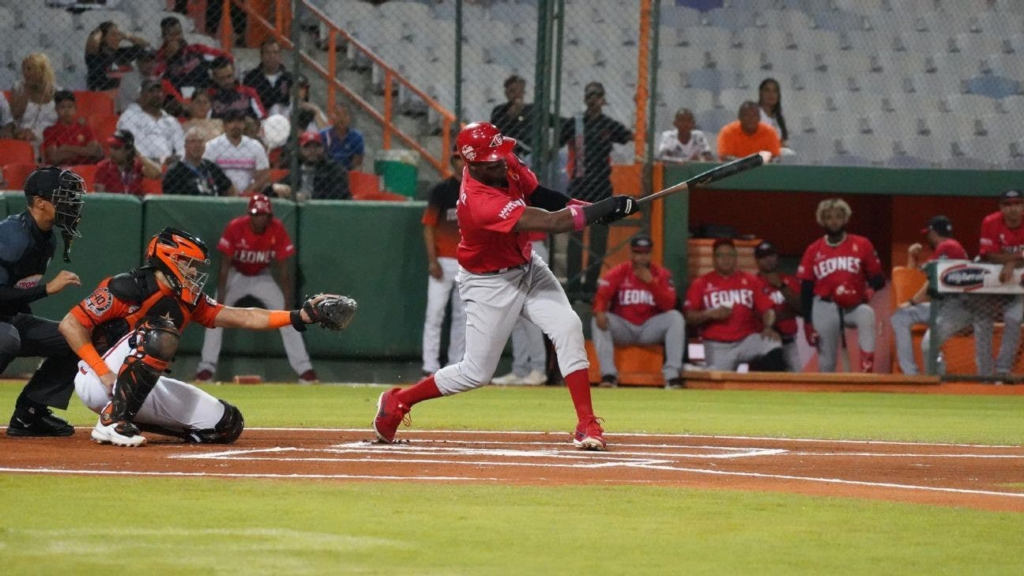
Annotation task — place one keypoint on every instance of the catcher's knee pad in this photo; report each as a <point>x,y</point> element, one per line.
<point>154,343</point>
<point>226,431</point>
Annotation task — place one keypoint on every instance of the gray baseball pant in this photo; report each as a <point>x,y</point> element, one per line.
<point>1013,315</point>
<point>729,355</point>
<point>668,328</point>
<point>825,318</point>
<point>528,352</point>
<point>262,287</point>
<point>902,322</point>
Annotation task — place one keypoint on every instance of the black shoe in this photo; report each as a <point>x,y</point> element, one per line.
<point>608,381</point>
<point>37,422</point>
<point>675,384</point>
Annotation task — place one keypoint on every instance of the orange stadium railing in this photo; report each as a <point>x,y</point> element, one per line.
<point>385,118</point>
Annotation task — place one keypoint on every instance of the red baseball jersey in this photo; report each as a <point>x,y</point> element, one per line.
<point>787,326</point>
<point>118,182</point>
<point>73,134</point>
<point>625,295</point>
<point>854,260</point>
<point>996,236</point>
<point>250,252</point>
<point>487,216</point>
<point>740,291</point>
<point>949,249</point>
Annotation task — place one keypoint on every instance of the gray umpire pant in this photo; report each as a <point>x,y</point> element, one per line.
<point>668,327</point>
<point>825,318</point>
<point>528,351</point>
<point>1013,314</point>
<point>729,355</point>
<point>262,287</point>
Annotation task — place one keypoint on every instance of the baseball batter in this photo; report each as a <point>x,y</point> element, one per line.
<point>250,244</point>
<point>126,333</point>
<point>835,273</point>
<point>735,316</point>
<point>501,279</point>
<point>1002,242</point>
<point>784,291</point>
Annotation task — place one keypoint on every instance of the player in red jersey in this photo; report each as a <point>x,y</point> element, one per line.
<point>1002,242</point>
<point>735,316</point>
<point>836,272</point>
<point>126,333</point>
<point>635,303</point>
<point>784,291</point>
<point>953,318</point>
<point>250,245</point>
<point>501,279</point>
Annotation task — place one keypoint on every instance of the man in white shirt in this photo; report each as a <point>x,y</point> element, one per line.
<point>158,135</point>
<point>243,159</point>
<point>684,144</point>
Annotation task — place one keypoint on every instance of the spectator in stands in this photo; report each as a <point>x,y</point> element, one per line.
<point>344,144</point>
<point>311,117</point>
<point>194,175</point>
<point>590,136</point>
<point>319,178</point>
<point>769,102</point>
<point>7,126</point>
<point>69,141</point>
<point>271,81</point>
<point>747,135</point>
<point>784,291</point>
<point>158,134</point>
<point>185,66</point>
<point>514,118</point>
<point>735,318</point>
<point>123,172</point>
<point>146,68</point>
<point>32,104</point>
<point>243,159</point>
<point>198,116</point>
<point>227,94</point>
<point>106,60</point>
<point>917,310</point>
<point>635,304</point>
<point>684,143</point>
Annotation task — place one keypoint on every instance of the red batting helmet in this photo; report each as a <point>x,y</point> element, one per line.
<point>259,204</point>
<point>847,295</point>
<point>483,142</point>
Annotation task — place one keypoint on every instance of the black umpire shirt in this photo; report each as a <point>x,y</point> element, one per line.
<point>25,251</point>
<point>599,133</point>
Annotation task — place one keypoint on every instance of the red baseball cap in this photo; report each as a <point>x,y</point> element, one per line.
<point>259,204</point>
<point>308,137</point>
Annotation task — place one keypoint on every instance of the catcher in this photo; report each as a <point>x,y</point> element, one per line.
<point>126,334</point>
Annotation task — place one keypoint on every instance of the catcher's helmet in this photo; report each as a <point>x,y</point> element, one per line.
<point>847,295</point>
<point>64,189</point>
<point>483,142</point>
<point>182,258</point>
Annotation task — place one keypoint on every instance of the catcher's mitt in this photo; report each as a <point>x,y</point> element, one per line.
<point>330,311</point>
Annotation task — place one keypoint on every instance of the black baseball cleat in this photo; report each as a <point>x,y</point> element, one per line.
<point>37,422</point>
<point>675,384</point>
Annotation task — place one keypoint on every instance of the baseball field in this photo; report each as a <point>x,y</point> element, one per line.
<point>695,482</point>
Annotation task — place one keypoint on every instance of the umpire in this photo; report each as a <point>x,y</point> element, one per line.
<point>27,244</point>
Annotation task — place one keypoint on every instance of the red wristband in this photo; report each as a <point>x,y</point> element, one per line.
<point>579,221</point>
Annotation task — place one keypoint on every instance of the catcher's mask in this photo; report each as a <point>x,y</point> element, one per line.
<point>64,189</point>
<point>183,259</point>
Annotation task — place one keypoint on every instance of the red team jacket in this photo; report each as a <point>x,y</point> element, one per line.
<point>950,249</point>
<point>250,253</point>
<point>625,295</point>
<point>854,260</point>
<point>997,237</point>
<point>786,327</point>
<point>486,218</point>
<point>742,291</point>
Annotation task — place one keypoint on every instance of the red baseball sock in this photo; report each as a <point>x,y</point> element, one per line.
<point>579,388</point>
<point>423,390</point>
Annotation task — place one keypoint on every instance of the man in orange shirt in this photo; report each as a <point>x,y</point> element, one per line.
<point>747,135</point>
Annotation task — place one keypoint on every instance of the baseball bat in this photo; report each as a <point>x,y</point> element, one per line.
<point>714,175</point>
<point>844,352</point>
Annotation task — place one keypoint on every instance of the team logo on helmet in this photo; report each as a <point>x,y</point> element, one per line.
<point>496,141</point>
<point>468,153</point>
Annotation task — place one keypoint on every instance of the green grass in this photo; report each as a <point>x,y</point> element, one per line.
<point>165,526</point>
<point>88,525</point>
<point>910,417</point>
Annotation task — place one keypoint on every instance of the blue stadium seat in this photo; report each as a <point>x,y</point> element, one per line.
<point>993,86</point>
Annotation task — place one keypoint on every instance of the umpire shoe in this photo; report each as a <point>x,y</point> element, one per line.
<point>36,421</point>
<point>589,435</point>
<point>391,412</point>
